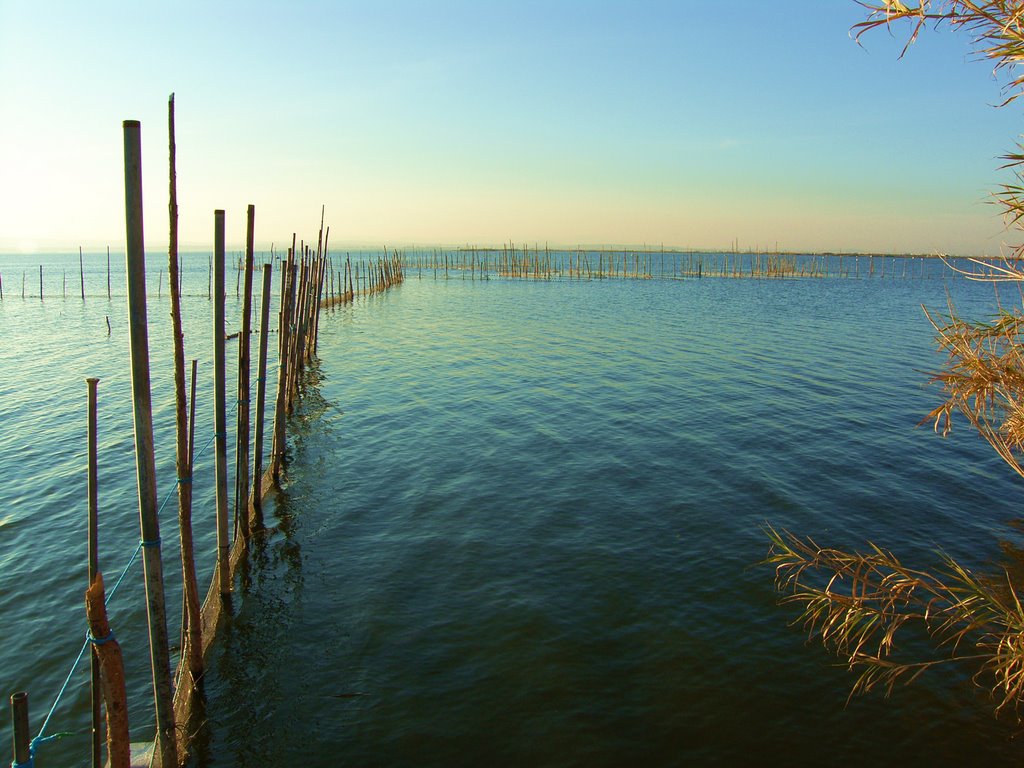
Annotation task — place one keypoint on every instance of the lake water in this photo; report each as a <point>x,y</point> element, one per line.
<point>522,522</point>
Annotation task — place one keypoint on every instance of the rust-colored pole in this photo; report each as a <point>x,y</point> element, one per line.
<point>95,690</point>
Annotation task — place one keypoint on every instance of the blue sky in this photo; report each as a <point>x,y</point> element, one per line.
<point>683,123</point>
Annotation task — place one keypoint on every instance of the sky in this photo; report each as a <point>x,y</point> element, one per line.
<point>685,124</point>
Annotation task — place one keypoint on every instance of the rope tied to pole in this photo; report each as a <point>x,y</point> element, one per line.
<point>33,746</point>
<point>153,543</point>
<point>99,640</point>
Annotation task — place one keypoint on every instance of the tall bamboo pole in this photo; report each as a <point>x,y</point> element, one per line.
<point>81,271</point>
<point>192,653</point>
<point>95,691</point>
<point>166,751</point>
<point>220,406</point>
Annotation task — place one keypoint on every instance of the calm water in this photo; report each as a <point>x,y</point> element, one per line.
<point>522,522</point>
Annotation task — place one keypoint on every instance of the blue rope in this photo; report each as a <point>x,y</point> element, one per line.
<point>90,640</point>
<point>99,640</point>
<point>203,449</point>
<point>124,573</point>
<point>40,739</point>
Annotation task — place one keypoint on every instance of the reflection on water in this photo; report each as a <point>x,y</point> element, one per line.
<point>521,522</point>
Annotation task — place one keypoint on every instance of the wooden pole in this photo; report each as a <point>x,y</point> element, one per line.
<point>149,525</point>
<point>261,398</point>
<point>192,414</point>
<point>242,423</point>
<point>283,374</point>
<point>19,722</point>
<point>219,406</point>
<point>115,695</point>
<point>96,693</point>
<point>192,651</point>
<point>81,271</point>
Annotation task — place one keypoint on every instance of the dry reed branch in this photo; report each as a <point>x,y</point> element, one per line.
<point>860,604</point>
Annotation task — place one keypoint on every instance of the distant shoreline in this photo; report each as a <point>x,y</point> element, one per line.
<point>153,251</point>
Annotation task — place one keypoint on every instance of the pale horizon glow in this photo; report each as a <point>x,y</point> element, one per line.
<point>465,123</point>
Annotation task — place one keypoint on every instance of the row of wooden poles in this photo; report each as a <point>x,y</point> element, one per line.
<point>304,276</point>
<point>514,261</point>
<point>361,277</point>
<point>81,279</point>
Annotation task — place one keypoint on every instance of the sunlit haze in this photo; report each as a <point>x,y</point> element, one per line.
<point>694,125</point>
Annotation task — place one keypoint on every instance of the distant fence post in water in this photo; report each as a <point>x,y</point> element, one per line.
<point>145,463</point>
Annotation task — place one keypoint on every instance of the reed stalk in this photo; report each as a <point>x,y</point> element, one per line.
<point>192,651</point>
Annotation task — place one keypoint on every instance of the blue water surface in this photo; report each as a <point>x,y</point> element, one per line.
<point>522,521</point>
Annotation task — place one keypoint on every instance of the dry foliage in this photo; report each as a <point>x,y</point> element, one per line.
<point>859,604</point>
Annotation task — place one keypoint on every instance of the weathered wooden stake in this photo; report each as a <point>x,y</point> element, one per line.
<point>114,693</point>
<point>96,693</point>
<point>261,398</point>
<point>283,374</point>
<point>242,424</point>
<point>19,722</point>
<point>81,271</point>
<point>166,751</point>
<point>220,407</point>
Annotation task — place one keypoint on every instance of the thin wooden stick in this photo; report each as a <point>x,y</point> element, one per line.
<point>192,651</point>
